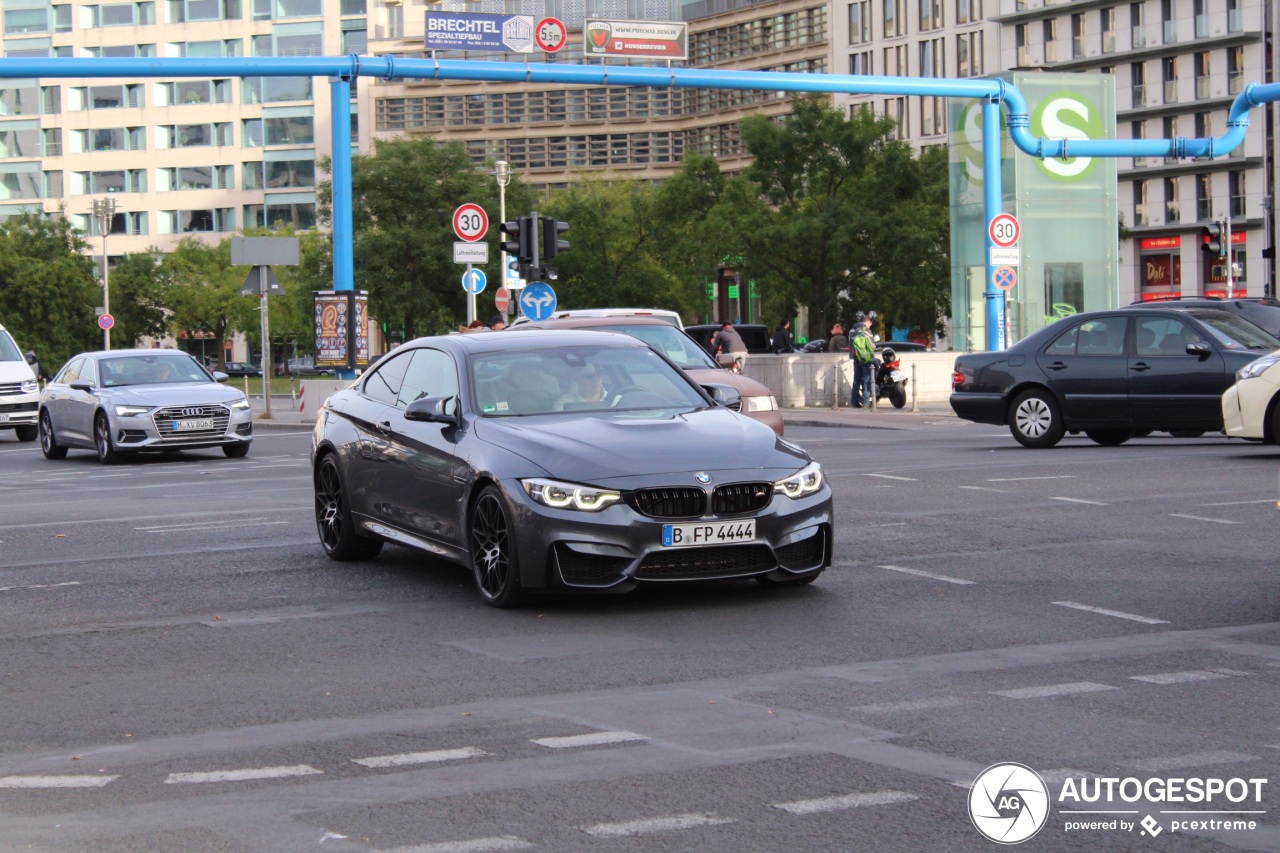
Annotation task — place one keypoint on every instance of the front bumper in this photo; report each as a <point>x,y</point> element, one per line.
<point>1244,409</point>
<point>618,548</point>
<point>19,410</point>
<point>159,429</point>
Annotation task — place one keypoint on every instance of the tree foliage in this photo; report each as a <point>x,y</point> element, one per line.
<point>202,290</point>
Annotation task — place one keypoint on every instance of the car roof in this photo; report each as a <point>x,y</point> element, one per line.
<point>519,338</point>
<point>588,323</point>
<point>101,353</point>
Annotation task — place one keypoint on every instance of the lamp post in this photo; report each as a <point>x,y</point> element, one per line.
<point>104,211</point>
<point>502,171</point>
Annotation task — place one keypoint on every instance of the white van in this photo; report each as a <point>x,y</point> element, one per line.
<point>19,391</point>
<point>656,313</point>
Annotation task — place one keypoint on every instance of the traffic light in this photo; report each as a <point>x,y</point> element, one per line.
<point>552,245</point>
<point>519,242</point>
<point>1212,240</point>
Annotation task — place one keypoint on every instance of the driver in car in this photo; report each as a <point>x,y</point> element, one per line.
<point>588,388</point>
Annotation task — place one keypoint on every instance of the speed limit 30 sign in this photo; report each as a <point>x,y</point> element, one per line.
<point>1004,230</point>
<point>550,34</point>
<point>470,222</point>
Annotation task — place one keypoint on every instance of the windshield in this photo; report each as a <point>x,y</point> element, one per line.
<point>672,343</point>
<point>1236,333</point>
<point>581,379</point>
<point>159,369</point>
<point>8,349</point>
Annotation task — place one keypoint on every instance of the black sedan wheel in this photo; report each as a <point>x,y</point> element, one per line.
<point>235,451</point>
<point>1035,419</point>
<point>338,535</point>
<point>493,555</point>
<point>1109,437</point>
<point>107,454</point>
<point>48,444</point>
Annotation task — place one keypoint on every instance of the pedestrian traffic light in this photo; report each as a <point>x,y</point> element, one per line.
<point>552,245</point>
<point>519,234</point>
<point>1211,240</point>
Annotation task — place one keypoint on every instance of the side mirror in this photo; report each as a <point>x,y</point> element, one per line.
<point>724,395</point>
<point>1199,349</point>
<point>219,376</point>
<point>82,385</point>
<point>434,410</point>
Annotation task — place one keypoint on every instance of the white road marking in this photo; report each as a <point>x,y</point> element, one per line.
<point>1080,501</point>
<point>593,739</point>
<point>1053,690</point>
<point>474,845</point>
<point>420,757</point>
<point>39,586</point>
<point>916,705</point>
<point>655,824</point>
<point>1202,518</point>
<point>1180,677</point>
<point>182,528</point>
<point>1195,759</point>
<point>55,781</point>
<point>242,775</point>
<point>1119,614</point>
<point>1019,479</point>
<point>924,574</point>
<point>1238,503</point>
<point>986,489</point>
<point>892,477</point>
<point>846,801</point>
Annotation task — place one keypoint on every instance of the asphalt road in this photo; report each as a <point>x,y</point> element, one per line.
<point>181,669</point>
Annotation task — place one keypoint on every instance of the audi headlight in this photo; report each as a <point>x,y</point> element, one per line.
<point>130,411</point>
<point>240,404</point>
<point>805,482</point>
<point>1256,368</point>
<point>762,403</point>
<point>28,386</point>
<point>559,495</point>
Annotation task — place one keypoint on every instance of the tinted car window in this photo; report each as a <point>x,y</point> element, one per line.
<point>1099,336</point>
<point>1165,336</point>
<point>431,373</point>
<point>672,343</point>
<point>1234,333</point>
<point>8,349</point>
<point>71,372</point>
<point>384,383</point>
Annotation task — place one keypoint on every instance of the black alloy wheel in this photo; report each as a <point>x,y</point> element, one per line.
<point>48,443</point>
<point>1109,437</point>
<point>338,536</point>
<point>1035,419</point>
<point>107,454</point>
<point>493,556</point>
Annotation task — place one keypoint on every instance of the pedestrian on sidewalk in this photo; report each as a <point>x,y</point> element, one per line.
<point>838,342</point>
<point>782,341</point>
<point>863,351</point>
<point>728,342</point>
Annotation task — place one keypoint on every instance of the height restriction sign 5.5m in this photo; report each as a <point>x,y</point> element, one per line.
<point>1004,230</point>
<point>549,35</point>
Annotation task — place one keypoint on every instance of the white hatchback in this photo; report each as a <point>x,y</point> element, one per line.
<point>1251,407</point>
<point>19,391</point>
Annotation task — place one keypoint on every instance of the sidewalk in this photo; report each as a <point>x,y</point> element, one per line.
<point>285,415</point>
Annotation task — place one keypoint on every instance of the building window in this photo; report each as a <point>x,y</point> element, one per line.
<point>1107,22</point>
<point>1169,25</point>
<point>1023,58</point>
<point>933,115</point>
<point>932,59</point>
<point>969,54</point>
<point>968,11</point>
<point>1235,70</point>
<point>1170,124</point>
<point>1201,64</point>
<point>931,17</point>
<point>896,109</point>
<point>861,63</point>
<point>1169,71</point>
<point>1138,130</point>
<point>1172,211</point>
<point>860,22</point>
<point>1140,203</point>
<point>1235,17</point>
<point>1137,25</point>
<point>18,21</point>
<point>1204,198</point>
<point>1077,35</point>
<point>1203,126</point>
<point>1200,12</point>
<point>895,61</point>
<point>289,173</point>
<point>1236,194</point>
<point>275,90</point>
<point>1050,40</point>
<point>895,23</point>
<point>1138,83</point>
<point>104,97</point>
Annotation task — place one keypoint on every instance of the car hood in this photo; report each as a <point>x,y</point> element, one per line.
<point>606,447</point>
<point>185,393</point>
<point>744,385</point>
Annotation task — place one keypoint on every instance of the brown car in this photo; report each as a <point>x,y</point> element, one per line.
<point>684,351</point>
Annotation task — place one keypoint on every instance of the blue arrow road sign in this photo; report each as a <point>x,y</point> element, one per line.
<point>537,300</point>
<point>473,281</point>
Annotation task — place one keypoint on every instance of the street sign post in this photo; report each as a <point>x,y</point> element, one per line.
<point>470,222</point>
<point>550,34</point>
<point>537,300</point>
<point>501,299</point>
<point>106,321</point>
<point>1005,277</point>
<point>473,281</point>
<point>470,253</point>
<point>1004,230</point>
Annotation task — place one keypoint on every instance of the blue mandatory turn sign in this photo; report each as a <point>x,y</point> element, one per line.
<point>473,281</point>
<point>458,31</point>
<point>537,300</point>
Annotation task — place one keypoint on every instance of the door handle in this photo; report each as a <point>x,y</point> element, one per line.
<point>1057,365</point>
<point>1142,365</point>
<point>383,427</point>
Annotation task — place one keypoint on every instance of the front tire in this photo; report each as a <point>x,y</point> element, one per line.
<point>1035,419</point>
<point>493,552</point>
<point>236,451</point>
<point>898,396</point>
<point>337,531</point>
<point>48,444</point>
<point>107,454</point>
<point>1109,437</point>
<point>26,433</point>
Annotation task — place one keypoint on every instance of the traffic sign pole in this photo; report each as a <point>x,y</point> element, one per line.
<point>471,298</point>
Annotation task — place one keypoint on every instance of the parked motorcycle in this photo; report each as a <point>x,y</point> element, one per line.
<point>890,381</point>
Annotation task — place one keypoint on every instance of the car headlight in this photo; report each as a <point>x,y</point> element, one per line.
<point>805,482</point>
<point>28,386</point>
<point>762,403</point>
<point>1256,368</point>
<point>240,404</point>
<point>569,495</point>
<point>130,411</point>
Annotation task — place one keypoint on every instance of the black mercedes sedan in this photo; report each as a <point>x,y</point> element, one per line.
<point>1111,375</point>
<point>570,460</point>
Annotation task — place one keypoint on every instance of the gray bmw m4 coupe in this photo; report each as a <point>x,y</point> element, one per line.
<point>569,460</point>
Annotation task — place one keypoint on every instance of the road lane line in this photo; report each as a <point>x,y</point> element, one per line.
<point>846,801</point>
<point>655,824</point>
<point>55,781</point>
<point>593,739</point>
<point>420,757</point>
<point>1053,690</point>
<point>1180,677</point>
<point>39,586</point>
<point>986,489</point>
<point>1239,503</point>
<point>474,845</point>
<point>1202,518</point>
<point>1119,614</point>
<point>892,477</point>
<point>242,775</point>
<point>917,705</point>
<point>183,528</point>
<point>1080,501</point>
<point>1020,479</point>
<point>924,574</point>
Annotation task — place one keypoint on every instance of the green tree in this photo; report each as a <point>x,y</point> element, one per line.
<point>47,288</point>
<point>137,298</point>
<point>202,292</point>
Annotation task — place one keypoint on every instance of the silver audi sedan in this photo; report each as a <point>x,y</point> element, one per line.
<point>120,402</point>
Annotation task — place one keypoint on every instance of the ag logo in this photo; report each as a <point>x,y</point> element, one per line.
<point>1065,115</point>
<point>1008,803</point>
